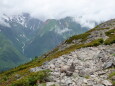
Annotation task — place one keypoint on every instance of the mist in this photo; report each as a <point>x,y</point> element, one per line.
<point>93,10</point>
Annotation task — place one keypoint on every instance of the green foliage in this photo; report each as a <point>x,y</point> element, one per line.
<point>111,74</point>
<point>110,77</point>
<point>94,43</point>
<point>83,37</point>
<point>31,79</point>
<point>110,32</point>
<point>113,54</point>
<point>43,84</point>
<point>110,40</point>
<point>87,77</point>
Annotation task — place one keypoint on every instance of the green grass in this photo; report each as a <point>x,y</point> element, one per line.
<point>110,77</point>
<point>113,54</point>
<point>87,77</point>
<point>110,40</point>
<point>110,32</point>
<point>111,35</point>
<point>83,37</point>
<point>32,78</point>
<point>94,43</point>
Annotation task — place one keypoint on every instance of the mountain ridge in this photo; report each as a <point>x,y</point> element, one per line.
<point>92,52</point>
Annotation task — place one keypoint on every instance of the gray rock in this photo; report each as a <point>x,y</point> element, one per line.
<point>52,83</point>
<point>36,69</point>
<point>108,64</point>
<point>106,83</point>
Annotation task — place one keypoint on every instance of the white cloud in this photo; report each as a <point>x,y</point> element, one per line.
<point>94,10</point>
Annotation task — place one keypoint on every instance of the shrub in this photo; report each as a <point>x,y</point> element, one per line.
<point>83,37</point>
<point>110,77</point>
<point>31,79</point>
<point>110,32</point>
<point>110,40</point>
<point>94,43</point>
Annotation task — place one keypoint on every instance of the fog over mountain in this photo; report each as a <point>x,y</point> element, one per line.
<point>96,10</point>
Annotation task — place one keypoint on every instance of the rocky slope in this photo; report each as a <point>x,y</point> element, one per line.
<point>91,67</point>
<point>82,60</point>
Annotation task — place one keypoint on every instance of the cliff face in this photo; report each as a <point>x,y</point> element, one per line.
<point>82,60</point>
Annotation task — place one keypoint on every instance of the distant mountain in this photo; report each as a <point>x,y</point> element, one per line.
<point>52,33</point>
<point>32,37</point>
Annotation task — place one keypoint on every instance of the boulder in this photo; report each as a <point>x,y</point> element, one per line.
<point>64,69</point>
<point>68,69</point>
<point>113,78</point>
<point>106,83</point>
<point>109,64</point>
<point>52,84</point>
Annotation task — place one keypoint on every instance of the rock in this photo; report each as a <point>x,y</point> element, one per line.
<point>72,67</point>
<point>36,69</point>
<point>17,76</point>
<point>108,64</point>
<point>64,69</point>
<point>113,78</point>
<point>83,72</point>
<point>106,83</point>
<point>69,82</point>
<point>101,73</point>
<point>69,73</point>
<point>85,81</point>
<point>52,66</point>
<point>68,69</point>
<point>52,84</point>
<point>99,85</point>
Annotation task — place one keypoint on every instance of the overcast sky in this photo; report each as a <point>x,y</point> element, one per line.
<point>46,9</point>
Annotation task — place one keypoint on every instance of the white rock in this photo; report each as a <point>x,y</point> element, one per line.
<point>107,83</point>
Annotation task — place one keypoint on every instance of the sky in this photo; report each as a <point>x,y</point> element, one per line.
<point>94,10</point>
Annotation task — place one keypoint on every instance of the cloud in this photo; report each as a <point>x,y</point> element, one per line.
<point>94,10</point>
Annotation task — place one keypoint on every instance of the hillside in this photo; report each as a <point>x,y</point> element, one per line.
<point>87,59</point>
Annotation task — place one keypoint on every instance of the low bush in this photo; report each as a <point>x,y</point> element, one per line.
<point>110,40</point>
<point>31,79</point>
<point>110,77</point>
<point>94,43</point>
<point>110,32</point>
<point>83,37</point>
